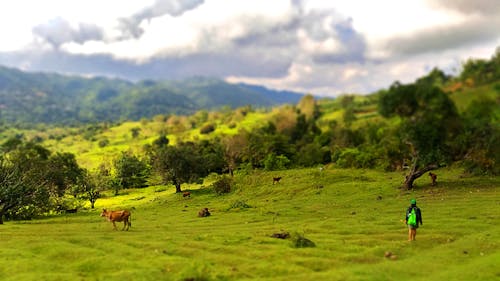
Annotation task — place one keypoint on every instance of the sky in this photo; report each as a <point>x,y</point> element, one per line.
<point>321,47</point>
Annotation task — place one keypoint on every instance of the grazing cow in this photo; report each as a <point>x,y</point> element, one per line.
<point>433,178</point>
<point>118,216</point>
<point>186,194</point>
<point>276,180</point>
<point>203,213</point>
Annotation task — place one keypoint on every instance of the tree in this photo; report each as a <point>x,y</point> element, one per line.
<point>130,171</point>
<point>20,192</point>
<point>63,171</point>
<point>479,141</point>
<point>233,150</point>
<point>178,164</point>
<point>91,184</point>
<point>429,122</point>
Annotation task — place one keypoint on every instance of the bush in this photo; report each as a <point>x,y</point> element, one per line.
<point>299,241</point>
<point>103,143</point>
<point>354,158</point>
<point>223,185</point>
<point>274,163</point>
<point>207,129</point>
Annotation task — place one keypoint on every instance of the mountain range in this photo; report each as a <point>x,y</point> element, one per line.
<point>49,98</point>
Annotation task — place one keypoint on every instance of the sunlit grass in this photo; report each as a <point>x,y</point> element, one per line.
<point>353,217</point>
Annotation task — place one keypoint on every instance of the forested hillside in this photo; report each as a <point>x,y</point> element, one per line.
<point>31,98</point>
<point>434,122</point>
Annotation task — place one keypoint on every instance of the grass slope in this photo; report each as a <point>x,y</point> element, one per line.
<point>353,217</point>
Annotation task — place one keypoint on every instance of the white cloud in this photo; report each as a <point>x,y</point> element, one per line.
<point>211,26</point>
<point>317,46</point>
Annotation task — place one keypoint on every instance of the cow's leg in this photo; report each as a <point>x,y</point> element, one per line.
<point>114,225</point>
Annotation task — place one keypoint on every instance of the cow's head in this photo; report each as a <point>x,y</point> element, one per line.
<point>104,213</point>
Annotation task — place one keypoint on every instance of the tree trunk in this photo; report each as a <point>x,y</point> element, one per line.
<point>1,218</point>
<point>415,174</point>
<point>178,188</point>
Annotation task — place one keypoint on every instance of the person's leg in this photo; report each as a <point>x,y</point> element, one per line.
<point>413,234</point>
<point>409,233</point>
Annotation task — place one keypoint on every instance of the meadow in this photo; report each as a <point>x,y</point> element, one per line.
<point>353,217</point>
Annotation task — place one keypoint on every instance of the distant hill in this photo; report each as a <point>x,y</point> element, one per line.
<point>49,98</point>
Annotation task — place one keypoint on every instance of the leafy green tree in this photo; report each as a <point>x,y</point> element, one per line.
<point>178,164</point>
<point>131,171</point>
<point>135,132</point>
<point>90,185</point>
<point>62,172</point>
<point>430,122</point>
<point>161,141</point>
<point>233,150</point>
<point>21,196</point>
<point>480,138</point>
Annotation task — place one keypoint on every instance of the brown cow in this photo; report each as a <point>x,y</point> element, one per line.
<point>433,178</point>
<point>118,216</point>
<point>186,194</point>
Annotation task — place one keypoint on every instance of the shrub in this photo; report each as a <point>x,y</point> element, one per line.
<point>238,204</point>
<point>354,158</point>
<point>223,185</point>
<point>207,129</point>
<point>103,142</point>
<point>273,162</point>
<point>300,241</point>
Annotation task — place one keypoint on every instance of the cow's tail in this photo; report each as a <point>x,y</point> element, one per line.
<point>130,220</point>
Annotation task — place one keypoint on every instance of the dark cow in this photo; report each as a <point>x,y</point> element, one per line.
<point>118,216</point>
<point>203,213</point>
<point>433,178</point>
<point>276,180</point>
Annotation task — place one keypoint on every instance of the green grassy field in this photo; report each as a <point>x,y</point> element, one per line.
<point>352,216</point>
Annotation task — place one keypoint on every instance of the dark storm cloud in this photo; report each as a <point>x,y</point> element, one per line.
<point>481,25</point>
<point>445,38</point>
<point>353,45</point>
<point>59,31</point>
<point>130,26</point>
<point>213,65</point>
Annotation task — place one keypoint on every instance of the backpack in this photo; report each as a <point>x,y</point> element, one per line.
<point>412,218</point>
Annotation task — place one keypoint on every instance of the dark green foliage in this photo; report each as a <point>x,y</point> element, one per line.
<point>223,185</point>
<point>479,142</point>
<point>207,129</point>
<point>239,204</point>
<point>312,154</point>
<point>131,172</point>
<point>355,158</point>
<point>178,164</point>
<point>274,162</point>
<point>103,142</point>
<point>135,132</point>
<point>62,172</point>
<point>161,141</point>
<point>430,122</point>
<point>481,71</point>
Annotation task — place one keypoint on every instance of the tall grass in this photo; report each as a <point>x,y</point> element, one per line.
<point>353,217</point>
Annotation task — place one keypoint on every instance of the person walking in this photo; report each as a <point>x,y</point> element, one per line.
<point>413,219</point>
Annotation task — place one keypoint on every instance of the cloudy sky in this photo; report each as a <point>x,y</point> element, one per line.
<point>317,46</point>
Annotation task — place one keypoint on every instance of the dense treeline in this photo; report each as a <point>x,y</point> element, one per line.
<point>39,98</point>
<point>415,127</point>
